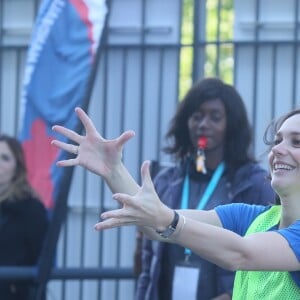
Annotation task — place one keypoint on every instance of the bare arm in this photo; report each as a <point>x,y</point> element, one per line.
<point>260,251</point>
<point>201,233</point>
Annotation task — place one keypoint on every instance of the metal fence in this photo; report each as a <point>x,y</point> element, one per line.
<point>144,68</point>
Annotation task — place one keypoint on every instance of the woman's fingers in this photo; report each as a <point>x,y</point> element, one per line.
<point>86,121</point>
<point>68,133</point>
<point>67,162</point>
<point>112,223</point>
<point>115,218</point>
<point>119,217</point>
<point>65,146</point>
<point>124,137</point>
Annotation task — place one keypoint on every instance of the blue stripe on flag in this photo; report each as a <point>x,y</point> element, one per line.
<point>60,58</point>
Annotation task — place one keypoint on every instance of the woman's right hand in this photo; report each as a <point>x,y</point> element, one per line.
<point>143,209</point>
<point>100,156</point>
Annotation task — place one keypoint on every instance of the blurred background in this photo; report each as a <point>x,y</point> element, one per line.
<point>149,54</point>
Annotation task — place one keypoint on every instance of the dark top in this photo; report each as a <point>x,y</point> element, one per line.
<point>248,185</point>
<point>23,226</point>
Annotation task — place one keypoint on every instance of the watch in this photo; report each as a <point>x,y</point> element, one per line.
<point>171,228</point>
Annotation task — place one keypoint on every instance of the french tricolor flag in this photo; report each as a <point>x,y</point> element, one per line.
<point>64,42</point>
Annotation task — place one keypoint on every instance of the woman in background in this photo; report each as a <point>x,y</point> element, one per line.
<point>213,111</point>
<point>23,218</point>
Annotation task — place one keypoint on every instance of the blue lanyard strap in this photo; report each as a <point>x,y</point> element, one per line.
<point>207,193</point>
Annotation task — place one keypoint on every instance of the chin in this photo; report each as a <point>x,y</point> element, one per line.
<point>277,184</point>
<point>281,188</point>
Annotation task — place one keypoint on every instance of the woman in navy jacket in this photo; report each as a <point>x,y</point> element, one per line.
<point>23,218</point>
<point>213,110</point>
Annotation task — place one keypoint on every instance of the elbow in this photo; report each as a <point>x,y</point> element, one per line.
<point>235,263</point>
<point>230,266</point>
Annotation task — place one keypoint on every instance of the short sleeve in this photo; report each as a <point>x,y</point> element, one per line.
<point>292,235</point>
<point>237,217</point>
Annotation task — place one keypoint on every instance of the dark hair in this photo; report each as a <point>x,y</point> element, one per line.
<point>19,188</point>
<point>238,138</point>
<point>274,126</point>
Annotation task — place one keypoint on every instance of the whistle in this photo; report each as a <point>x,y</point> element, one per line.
<point>200,159</point>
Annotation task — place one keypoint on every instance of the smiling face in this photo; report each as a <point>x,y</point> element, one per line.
<point>284,157</point>
<point>209,121</point>
<point>7,165</point>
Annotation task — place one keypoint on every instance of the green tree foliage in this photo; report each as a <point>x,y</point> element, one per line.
<point>218,50</point>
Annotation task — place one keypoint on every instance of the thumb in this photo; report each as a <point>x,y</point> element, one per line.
<point>124,137</point>
<point>146,176</point>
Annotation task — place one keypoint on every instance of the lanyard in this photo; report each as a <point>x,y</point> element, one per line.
<point>206,195</point>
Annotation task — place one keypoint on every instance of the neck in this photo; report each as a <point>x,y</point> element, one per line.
<point>290,210</point>
<point>214,157</point>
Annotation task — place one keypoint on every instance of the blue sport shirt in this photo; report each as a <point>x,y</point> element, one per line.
<point>237,217</point>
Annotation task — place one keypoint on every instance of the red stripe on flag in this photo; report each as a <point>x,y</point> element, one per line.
<point>40,154</point>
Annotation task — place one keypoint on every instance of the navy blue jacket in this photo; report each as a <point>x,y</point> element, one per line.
<point>23,227</point>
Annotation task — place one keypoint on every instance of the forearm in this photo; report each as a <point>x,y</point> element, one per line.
<point>212,243</point>
<point>204,216</point>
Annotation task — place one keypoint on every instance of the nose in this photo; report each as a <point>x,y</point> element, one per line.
<point>279,149</point>
<point>203,122</point>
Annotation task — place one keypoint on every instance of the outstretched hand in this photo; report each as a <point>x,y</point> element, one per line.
<point>92,151</point>
<point>143,209</point>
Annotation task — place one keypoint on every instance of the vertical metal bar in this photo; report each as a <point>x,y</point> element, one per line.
<point>217,44</point>
<point>82,228</point>
<point>1,55</point>
<point>235,47</point>
<point>17,85</point>
<point>273,84</point>
<point>295,56</point>
<point>142,86</point>
<point>256,37</point>
<point>160,100</point>
<point>104,129</point>
<point>122,111</point>
<point>36,7</point>
<point>199,38</point>
<point>64,255</point>
<point>105,59</point>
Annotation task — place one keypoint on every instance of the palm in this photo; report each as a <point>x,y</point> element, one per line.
<point>143,209</point>
<point>99,155</point>
<point>95,153</point>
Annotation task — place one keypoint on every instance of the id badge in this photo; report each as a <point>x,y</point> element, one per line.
<point>185,282</point>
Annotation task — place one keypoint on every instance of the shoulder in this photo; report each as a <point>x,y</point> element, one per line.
<point>34,204</point>
<point>167,174</point>
<point>230,215</point>
<point>26,204</point>
<point>34,207</point>
<point>292,235</point>
<point>251,184</point>
<point>168,184</point>
<point>251,170</point>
